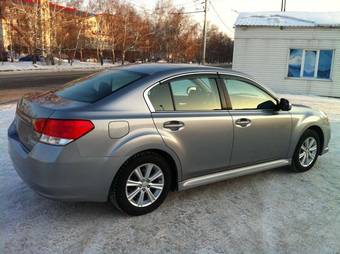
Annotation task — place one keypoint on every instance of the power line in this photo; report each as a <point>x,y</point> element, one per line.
<point>184,5</point>
<point>177,6</point>
<point>140,7</point>
<point>219,17</point>
<point>187,4</point>
<point>187,12</point>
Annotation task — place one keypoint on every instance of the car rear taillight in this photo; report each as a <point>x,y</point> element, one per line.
<point>61,131</point>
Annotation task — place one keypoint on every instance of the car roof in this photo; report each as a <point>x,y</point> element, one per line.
<point>160,68</point>
<point>163,69</point>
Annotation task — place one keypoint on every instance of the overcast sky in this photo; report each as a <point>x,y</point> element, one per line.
<point>227,9</point>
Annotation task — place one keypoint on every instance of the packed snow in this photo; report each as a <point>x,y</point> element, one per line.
<point>270,212</point>
<point>289,19</point>
<point>64,66</point>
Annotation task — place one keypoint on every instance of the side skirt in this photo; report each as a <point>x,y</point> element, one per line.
<point>220,176</point>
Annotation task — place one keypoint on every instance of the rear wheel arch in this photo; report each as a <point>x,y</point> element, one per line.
<point>136,193</point>
<point>175,170</point>
<point>173,166</point>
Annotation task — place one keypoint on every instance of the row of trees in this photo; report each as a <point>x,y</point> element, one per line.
<point>112,29</point>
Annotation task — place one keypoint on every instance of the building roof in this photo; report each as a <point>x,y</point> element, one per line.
<point>55,6</point>
<point>289,19</point>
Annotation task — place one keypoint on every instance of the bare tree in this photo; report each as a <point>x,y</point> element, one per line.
<point>110,28</point>
<point>175,34</point>
<point>100,31</point>
<point>28,26</point>
<point>219,46</point>
<point>6,16</point>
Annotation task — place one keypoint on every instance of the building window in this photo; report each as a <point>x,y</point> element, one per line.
<point>309,66</point>
<point>325,64</point>
<point>315,64</point>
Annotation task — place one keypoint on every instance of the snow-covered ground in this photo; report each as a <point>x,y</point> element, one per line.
<point>28,66</point>
<point>331,106</point>
<point>270,212</point>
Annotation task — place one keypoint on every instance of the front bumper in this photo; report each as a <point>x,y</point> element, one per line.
<point>325,150</point>
<point>60,172</point>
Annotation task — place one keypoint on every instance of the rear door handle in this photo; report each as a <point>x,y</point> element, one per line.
<point>243,122</point>
<point>173,125</point>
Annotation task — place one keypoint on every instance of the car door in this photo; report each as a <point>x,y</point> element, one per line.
<point>261,132</point>
<point>189,116</point>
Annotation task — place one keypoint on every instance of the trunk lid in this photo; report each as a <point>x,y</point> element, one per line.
<point>34,106</point>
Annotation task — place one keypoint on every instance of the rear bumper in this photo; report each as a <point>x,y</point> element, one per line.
<point>59,172</point>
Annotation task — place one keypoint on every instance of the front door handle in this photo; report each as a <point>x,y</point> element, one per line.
<point>243,122</point>
<point>173,125</point>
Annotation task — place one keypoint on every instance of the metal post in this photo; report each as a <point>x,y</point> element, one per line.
<point>205,31</point>
<point>283,5</point>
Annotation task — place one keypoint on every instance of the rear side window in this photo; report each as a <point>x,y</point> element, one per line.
<point>160,97</point>
<point>195,94</point>
<point>186,94</point>
<point>98,86</point>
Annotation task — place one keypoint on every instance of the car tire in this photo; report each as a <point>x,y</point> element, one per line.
<point>142,200</point>
<point>305,156</point>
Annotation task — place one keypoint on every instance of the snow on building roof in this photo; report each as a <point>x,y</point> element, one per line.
<point>289,19</point>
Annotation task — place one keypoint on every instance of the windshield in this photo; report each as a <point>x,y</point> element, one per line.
<point>98,86</point>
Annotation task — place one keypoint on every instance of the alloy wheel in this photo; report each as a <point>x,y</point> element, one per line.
<point>308,152</point>
<point>144,185</point>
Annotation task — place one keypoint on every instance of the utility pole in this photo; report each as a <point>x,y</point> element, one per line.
<point>283,5</point>
<point>205,31</point>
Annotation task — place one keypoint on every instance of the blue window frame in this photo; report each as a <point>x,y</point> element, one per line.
<point>295,62</point>
<point>325,64</point>
<point>311,64</point>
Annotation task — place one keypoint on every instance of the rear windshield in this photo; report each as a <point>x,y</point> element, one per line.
<point>98,86</point>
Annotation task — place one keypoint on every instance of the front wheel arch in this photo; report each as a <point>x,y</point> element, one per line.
<point>319,131</point>
<point>296,163</point>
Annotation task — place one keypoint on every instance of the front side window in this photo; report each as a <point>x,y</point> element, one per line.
<point>310,63</point>
<point>244,95</point>
<point>195,93</point>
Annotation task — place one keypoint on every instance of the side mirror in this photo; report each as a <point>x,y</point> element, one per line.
<point>285,105</point>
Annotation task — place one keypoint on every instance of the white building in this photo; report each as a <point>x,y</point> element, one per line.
<point>290,52</point>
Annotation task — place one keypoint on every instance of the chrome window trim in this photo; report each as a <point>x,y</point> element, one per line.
<point>146,97</point>
<point>152,109</point>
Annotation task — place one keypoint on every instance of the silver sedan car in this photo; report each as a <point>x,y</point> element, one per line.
<point>132,134</point>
